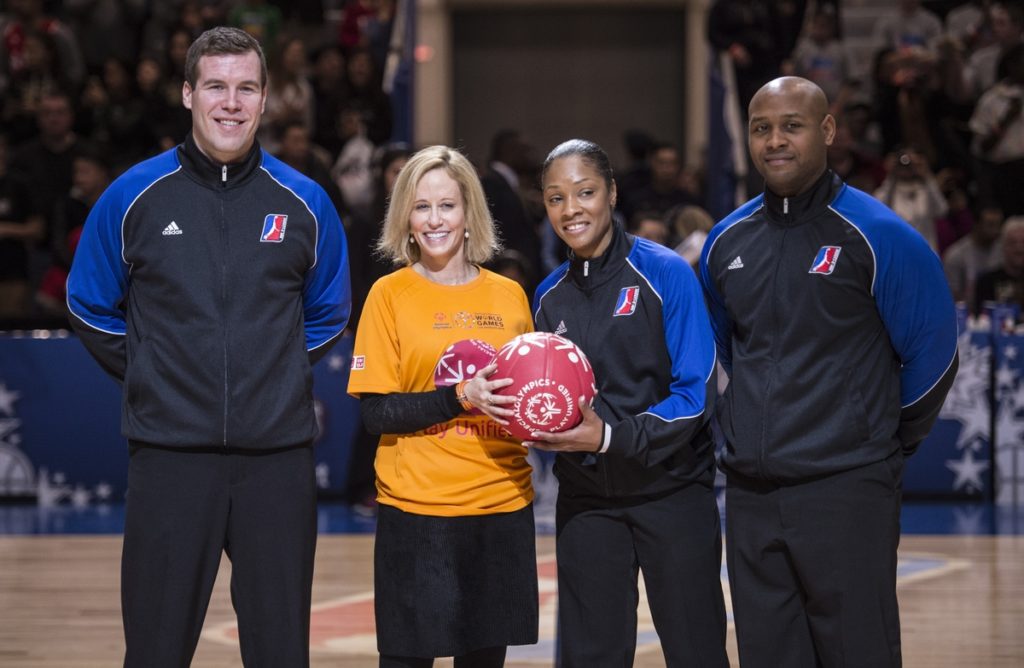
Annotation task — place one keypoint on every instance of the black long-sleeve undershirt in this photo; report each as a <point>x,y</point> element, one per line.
<point>406,412</point>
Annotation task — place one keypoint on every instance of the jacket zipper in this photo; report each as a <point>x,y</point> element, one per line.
<point>584,343</point>
<point>774,302</point>
<point>224,301</point>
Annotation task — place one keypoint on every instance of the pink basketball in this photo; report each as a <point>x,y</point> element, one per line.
<point>460,361</point>
<point>549,375</point>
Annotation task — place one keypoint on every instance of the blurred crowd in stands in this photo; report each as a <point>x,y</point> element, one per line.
<point>929,116</point>
<point>929,121</point>
<point>90,87</point>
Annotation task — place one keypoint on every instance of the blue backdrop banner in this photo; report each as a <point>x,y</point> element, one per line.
<point>60,435</point>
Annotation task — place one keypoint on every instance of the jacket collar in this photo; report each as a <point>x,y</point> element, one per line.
<point>588,271</point>
<point>215,174</point>
<point>793,210</point>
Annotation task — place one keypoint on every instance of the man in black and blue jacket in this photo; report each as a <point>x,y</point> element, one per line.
<point>834,321</point>
<point>207,281</point>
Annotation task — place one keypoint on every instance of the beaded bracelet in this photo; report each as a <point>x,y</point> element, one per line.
<point>460,394</point>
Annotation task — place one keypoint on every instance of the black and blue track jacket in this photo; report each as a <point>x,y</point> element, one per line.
<point>209,290</point>
<point>836,325</point>
<point>638,313</point>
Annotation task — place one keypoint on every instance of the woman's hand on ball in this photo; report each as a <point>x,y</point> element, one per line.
<point>480,391</point>
<point>584,437</point>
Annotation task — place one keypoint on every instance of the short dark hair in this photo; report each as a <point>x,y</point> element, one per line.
<point>59,94</point>
<point>96,154</point>
<point>1011,63</point>
<point>662,146</point>
<point>638,143</point>
<point>281,129</point>
<point>640,216</point>
<point>1015,11</point>
<point>387,154</point>
<point>220,41</point>
<point>588,151</point>
<point>502,144</point>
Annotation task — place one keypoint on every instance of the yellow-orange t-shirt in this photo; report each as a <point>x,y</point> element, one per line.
<point>469,465</point>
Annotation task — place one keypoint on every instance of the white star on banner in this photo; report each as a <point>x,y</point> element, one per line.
<point>974,428</point>
<point>335,362</point>
<point>80,497</point>
<point>323,475</point>
<point>103,491</point>
<point>968,471</point>
<point>968,521</point>
<point>7,399</point>
<point>1005,377</point>
<point>970,388</point>
<point>1009,427</point>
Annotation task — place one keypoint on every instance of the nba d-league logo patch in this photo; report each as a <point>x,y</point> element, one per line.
<point>273,228</point>
<point>626,303</point>
<point>825,261</point>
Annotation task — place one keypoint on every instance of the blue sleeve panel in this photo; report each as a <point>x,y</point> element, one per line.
<point>914,301</point>
<point>553,279</point>
<point>721,324</point>
<point>98,279</point>
<point>662,429</point>
<point>327,296</point>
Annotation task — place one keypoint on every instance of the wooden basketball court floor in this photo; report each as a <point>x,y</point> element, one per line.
<point>961,597</point>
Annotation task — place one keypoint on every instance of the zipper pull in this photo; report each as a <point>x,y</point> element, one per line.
<point>785,203</point>
<point>224,174</point>
<point>586,268</point>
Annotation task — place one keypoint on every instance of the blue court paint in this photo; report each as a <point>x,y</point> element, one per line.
<point>931,518</point>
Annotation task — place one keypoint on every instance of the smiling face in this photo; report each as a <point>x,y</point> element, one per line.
<point>579,204</point>
<point>790,131</point>
<point>438,220</point>
<point>226,104</point>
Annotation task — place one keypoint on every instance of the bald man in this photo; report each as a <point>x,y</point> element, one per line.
<point>834,321</point>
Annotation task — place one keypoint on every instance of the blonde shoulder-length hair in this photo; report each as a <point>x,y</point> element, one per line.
<point>394,243</point>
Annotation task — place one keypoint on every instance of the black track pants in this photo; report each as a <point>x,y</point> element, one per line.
<point>183,510</point>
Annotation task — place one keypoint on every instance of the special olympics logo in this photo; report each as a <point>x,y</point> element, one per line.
<point>542,408</point>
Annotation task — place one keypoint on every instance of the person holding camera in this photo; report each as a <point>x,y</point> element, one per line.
<point>997,125</point>
<point>912,191</point>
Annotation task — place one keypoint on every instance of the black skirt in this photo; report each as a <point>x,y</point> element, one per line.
<point>447,586</point>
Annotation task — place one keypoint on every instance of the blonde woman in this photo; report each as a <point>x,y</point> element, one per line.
<point>455,561</point>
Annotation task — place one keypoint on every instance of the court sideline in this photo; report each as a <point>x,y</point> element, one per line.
<point>961,597</point>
